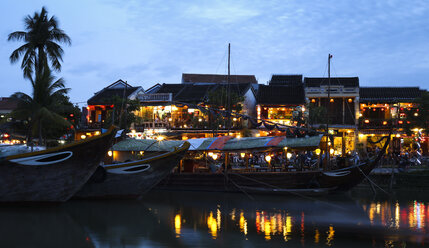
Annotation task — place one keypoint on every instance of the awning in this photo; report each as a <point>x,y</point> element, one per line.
<point>224,143</point>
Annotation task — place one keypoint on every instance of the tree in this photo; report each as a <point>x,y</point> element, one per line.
<point>122,112</point>
<point>218,98</point>
<point>40,39</point>
<point>41,110</point>
<point>317,115</point>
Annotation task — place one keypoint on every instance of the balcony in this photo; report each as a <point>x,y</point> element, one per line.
<point>372,123</point>
<point>194,124</point>
<point>157,97</point>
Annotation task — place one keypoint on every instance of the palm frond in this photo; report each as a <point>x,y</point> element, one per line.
<point>18,35</point>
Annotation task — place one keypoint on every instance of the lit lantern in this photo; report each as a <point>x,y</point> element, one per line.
<point>313,100</point>
<point>214,156</point>
<point>288,155</point>
<point>109,153</point>
<point>385,123</point>
<point>350,100</point>
<point>366,121</point>
<point>210,154</point>
<point>242,154</point>
<point>331,151</point>
<point>318,151</point>
<point>268,158</point>
<point>400,122</point>
<point>83,136</point>
<point>332,100</point>
<point>97,132</point>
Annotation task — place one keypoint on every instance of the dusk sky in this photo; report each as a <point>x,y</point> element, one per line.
<point>384,43</point>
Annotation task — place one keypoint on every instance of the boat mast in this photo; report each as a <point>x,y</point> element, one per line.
<point>228,101</point>
<point>328,159</point>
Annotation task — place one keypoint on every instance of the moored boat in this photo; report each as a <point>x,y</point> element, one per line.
<point>310,182</point>
<point>52,175</point>
<point>131,179</point>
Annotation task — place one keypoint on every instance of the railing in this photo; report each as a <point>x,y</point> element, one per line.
<point>156,97</point>
<point>151,125</point>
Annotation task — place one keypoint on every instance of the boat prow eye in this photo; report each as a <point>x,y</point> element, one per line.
<point>44,159</point>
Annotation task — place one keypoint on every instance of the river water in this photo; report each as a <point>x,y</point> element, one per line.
<point>190,219</point>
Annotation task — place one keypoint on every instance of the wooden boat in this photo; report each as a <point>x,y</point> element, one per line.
<point>52,175</point>
<point>311,182</point>
<point>132,179</point>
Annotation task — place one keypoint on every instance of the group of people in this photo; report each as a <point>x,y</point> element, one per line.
<point>299,160</point>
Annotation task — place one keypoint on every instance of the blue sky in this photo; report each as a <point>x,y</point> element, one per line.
<point>384,43</point>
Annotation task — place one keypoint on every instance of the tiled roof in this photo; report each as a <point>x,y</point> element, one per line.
<point>104,96</point>
<point>171,88</point>
<point>286,80</point>
<point>7,103</point>
<point>218,78</point>
<point>280,94</point>
<point>199,92</point>
<point>192,93</point>
<point>239,89</point>
<point>345,81</point>
<point>389,94</point>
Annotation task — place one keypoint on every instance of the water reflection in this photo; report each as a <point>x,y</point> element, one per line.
<point>213,220</point>
<point>40,226</point>
<point>177,224</point>
<point>411,216</point>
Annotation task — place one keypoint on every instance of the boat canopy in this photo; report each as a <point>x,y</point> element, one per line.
<point>224,143</point>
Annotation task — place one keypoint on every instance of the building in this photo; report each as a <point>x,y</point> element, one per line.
<point>386,109</point>
<point>181,110</point>
<point>279,100</point>
<point>102,103</point>
<point>341,108</point>
<point>7,105</point>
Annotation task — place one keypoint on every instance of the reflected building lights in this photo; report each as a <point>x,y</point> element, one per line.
<point>331,233</point>
<point>316,236</point>
<point>218,218</point>
<point>243,224</point>
<point>397,215</point>
<point>212,225</point>
<point>233,214</point>
<point>267,229</point>
<point>177,224</point>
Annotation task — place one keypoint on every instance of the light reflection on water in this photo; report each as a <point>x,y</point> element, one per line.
<point>411,216</point>
<point>164,219</point>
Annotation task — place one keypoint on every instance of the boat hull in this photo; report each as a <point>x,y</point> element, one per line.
<point>131,180</point>
<point>52,175</point>
<point>297,182</point>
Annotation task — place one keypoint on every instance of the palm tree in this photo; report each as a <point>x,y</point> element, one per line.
<point>41,109</point>
<point>40,39</point>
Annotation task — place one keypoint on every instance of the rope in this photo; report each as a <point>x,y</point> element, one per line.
<point>291,192</point>
<point>372,183</point>
<point>238,186</point>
